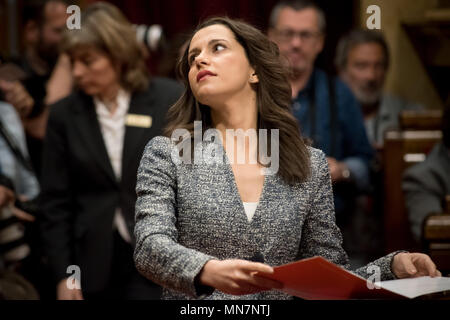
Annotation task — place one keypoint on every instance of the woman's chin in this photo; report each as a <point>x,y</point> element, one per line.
<point>206,97</point>
<point>89,91</point>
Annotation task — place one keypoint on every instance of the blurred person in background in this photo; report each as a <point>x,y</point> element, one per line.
<point>362,60</point>
<point>426,184</point>
<point>94,141</point>
<point>44,23</point>
<point>324,106</point>
<point>19,243</point>
<point>14,250</point>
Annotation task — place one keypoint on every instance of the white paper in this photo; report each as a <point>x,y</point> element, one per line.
<point>415,287</point>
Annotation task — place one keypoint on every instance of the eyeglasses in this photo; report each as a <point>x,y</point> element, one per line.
<point>288,35</point>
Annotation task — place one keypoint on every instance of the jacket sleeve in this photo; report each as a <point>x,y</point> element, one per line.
<point>321,236</point>
<point>56,196</point>
<point>25,181</point>
<point>157,254</point>
<point>422,196</point>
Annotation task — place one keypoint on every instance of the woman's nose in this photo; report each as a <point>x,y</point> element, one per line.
<point>78,69</point>
<point>201,59</point>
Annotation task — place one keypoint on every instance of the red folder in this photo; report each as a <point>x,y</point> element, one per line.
<point>318,279</point>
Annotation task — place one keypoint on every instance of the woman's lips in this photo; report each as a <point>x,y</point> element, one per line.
<point>82,83</point>
<point>204,74</point>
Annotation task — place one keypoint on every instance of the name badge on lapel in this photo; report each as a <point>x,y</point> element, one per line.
<point>138,120</point>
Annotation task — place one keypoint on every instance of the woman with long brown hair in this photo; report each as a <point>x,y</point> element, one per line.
<point>215,209</point>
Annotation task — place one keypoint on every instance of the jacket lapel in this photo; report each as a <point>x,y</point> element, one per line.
<point>89,129</point>
<point>140,104</point>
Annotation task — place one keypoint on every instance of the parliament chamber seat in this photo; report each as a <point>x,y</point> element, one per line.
<point>436,237</point>
<point>419,132</point>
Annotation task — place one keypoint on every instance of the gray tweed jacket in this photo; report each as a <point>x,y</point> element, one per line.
<point>189,214</point>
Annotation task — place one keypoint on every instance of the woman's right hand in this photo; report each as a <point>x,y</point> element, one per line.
<point>63,292</point>
<point>237,277</point>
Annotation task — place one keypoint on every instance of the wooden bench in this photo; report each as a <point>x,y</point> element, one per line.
<point>401,150</point>
<point>436,236</point>
<point>421,120</point>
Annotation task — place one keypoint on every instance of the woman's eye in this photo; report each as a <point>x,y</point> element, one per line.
<point>88,60</point>
<point>219,47</point>
<point>191,59</point>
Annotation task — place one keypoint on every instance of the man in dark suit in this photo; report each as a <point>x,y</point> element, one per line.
<point>94,141</point>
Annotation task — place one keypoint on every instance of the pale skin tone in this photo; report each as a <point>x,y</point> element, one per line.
<point>300,54</point>
<point>95,74</point>
<point>61,81</point>
<point>233,106</point>
<point>229,94</point>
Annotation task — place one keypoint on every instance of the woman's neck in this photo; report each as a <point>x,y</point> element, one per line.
<point>109,97</point>
<point>239,116</point>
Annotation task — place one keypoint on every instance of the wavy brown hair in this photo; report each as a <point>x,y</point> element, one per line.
<point>273,94</point>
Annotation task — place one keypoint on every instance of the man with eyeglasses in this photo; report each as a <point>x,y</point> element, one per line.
<point>327,111</point>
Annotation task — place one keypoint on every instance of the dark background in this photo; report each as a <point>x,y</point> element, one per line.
<point>177,17</point>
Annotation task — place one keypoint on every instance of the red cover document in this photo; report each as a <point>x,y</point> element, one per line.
<point>318,279</point>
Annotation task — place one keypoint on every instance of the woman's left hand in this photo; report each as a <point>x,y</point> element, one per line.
<point>412,265</point>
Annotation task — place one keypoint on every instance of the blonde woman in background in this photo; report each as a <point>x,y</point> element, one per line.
<point>94,141</point>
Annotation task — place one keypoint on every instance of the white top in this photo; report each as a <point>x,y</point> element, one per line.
<point>112,126</point>
<point>250,208</point>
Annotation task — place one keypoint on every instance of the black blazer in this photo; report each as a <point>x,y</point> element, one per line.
<point>79,189</point>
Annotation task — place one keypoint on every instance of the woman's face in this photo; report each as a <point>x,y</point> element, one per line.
<point>93,71</point>
<point>219,68</point>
